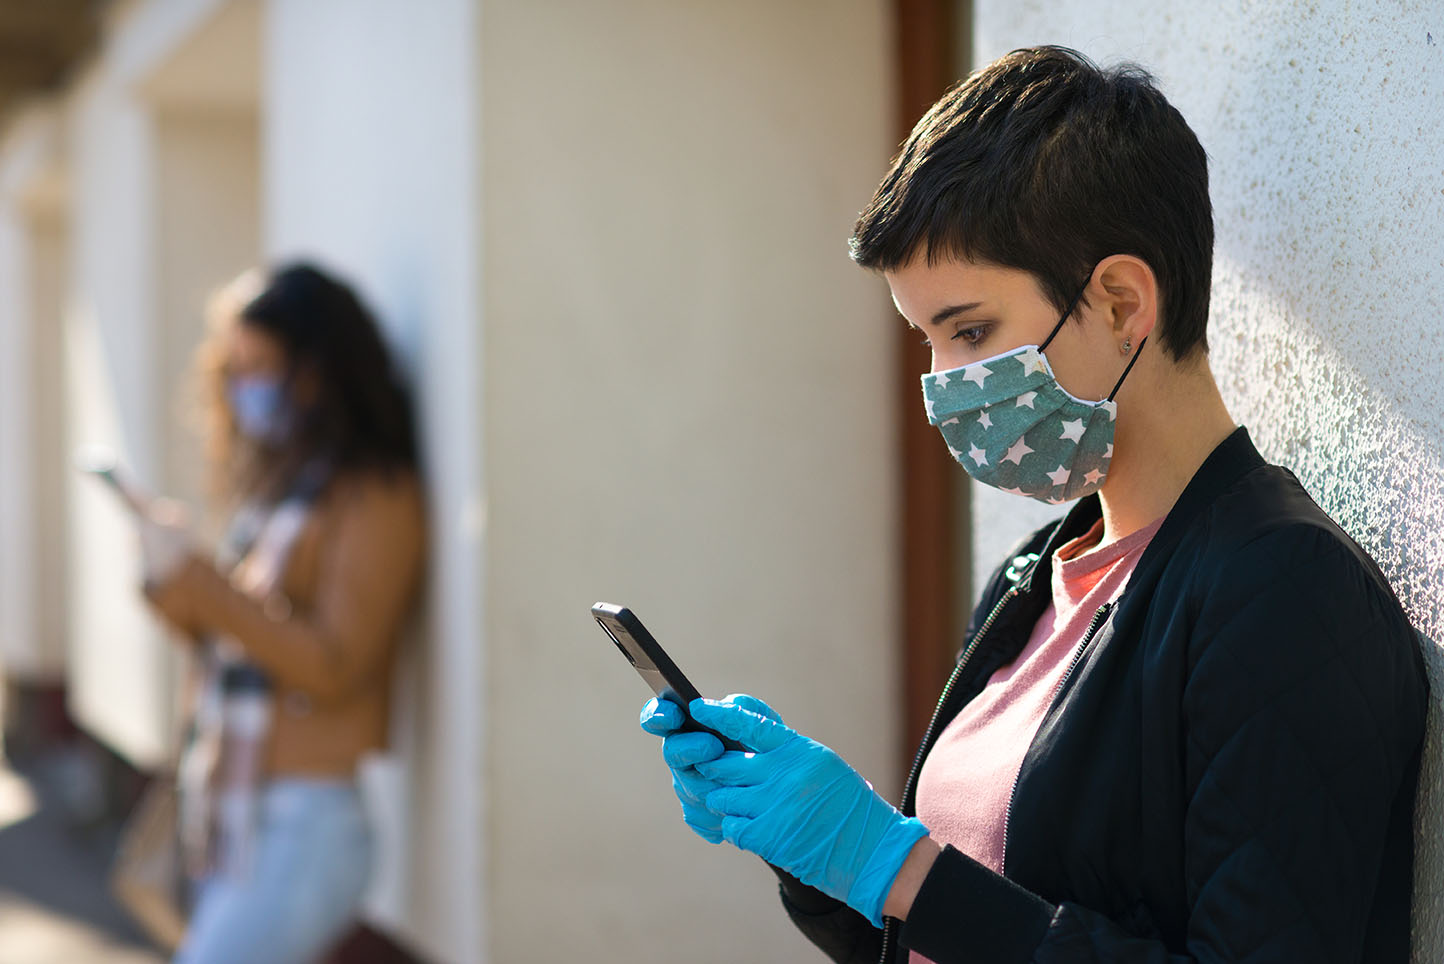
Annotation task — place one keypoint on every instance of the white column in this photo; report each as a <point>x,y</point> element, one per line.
<point>18,620</point>
<point>162,137</point>
<point>371,165</point>
<point>120,678</point>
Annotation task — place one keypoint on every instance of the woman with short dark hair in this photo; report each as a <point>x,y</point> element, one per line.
<point>1186,720</point>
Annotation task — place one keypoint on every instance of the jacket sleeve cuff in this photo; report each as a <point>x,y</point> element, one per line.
<point>840,932</point>
<point>800,897</point>
<point>963,907</point>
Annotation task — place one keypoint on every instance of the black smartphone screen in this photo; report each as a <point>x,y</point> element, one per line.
<point>652,663</point>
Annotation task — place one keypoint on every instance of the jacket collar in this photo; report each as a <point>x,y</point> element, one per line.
<point>1232,459</point>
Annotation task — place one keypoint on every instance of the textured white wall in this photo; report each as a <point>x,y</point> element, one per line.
<point>1327,174</point>
<point>687,412</point>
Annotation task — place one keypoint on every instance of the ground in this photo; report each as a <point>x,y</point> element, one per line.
<point>54,859</point>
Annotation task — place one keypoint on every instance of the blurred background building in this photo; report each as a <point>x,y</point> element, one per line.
<point>609,240</point>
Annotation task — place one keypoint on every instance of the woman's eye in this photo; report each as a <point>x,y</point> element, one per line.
<point>972,335</point>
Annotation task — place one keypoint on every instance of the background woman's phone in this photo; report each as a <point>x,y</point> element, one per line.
<point>103,465</point>
<point>652,663</point>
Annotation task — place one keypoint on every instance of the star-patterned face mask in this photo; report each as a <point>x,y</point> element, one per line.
<point>1012,426</point>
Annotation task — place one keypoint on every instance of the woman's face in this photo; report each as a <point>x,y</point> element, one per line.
<point>259,385</point>
<point>968,312</point>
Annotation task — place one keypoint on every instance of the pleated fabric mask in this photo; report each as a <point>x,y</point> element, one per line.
<point>1009,423</point>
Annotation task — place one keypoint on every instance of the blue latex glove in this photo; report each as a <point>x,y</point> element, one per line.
<point>799,806</point>
<point>682,751</point>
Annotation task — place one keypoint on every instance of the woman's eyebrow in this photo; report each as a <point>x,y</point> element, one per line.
<point>948,312</point>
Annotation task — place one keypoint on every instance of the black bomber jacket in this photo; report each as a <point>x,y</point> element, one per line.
<point>1227,772</point>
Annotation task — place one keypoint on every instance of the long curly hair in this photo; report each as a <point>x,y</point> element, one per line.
<point>360,414</point>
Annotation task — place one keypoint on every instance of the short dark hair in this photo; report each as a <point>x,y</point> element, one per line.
<point>1044,162</point>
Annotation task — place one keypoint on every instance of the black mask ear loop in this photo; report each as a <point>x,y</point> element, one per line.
<point>1068,311</point>
<point>1131,362</point>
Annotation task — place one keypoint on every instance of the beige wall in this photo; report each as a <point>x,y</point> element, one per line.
<point>687,411</point>
<point>49,448</point>
<point>657,217</point>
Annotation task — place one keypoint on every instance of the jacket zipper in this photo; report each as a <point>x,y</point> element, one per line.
<point>1093,625</point>
<point>910,787</point>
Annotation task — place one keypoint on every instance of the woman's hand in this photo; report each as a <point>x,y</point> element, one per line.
<point>682,751</point>
<point>799,806</point>
<point>165,541</point>
<point>166,546</point>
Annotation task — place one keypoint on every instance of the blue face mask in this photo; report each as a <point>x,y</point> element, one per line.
<point>260,406</point>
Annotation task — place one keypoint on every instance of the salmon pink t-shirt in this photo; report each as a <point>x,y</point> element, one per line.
<point>967,780</point>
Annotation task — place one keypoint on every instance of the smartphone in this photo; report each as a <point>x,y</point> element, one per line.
<point>652,663</point>
<point>103,465</point>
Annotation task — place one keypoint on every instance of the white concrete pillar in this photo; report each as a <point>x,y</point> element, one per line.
<point>120,681</point>
<point>372,166</point>
<point>34,456</point>
<point>163,138</point>
<point>22,652</point>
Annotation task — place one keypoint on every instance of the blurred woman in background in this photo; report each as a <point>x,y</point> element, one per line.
<point>296,622</point>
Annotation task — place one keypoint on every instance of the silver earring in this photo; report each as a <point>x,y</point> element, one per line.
<point>1127,346</point>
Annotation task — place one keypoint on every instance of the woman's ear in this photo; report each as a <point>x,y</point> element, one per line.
<point>1130,296</point>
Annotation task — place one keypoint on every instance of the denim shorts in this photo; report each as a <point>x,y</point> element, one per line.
<point>312,856</point>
